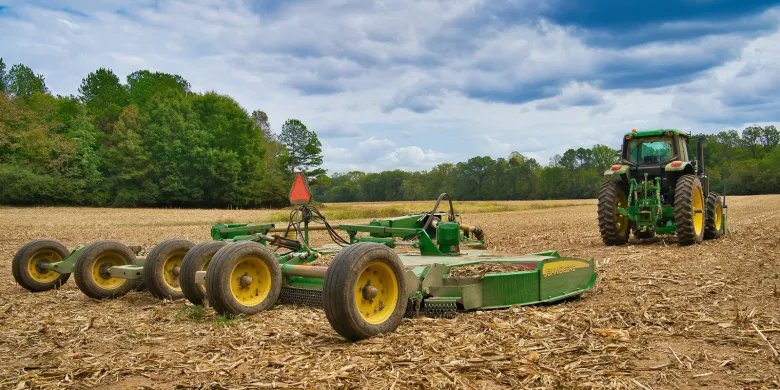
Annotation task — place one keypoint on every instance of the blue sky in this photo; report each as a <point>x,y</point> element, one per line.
<point>410,84</point>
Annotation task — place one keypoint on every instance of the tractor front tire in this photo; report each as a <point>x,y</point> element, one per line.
<point>163,268</point>
<point>243,278</point>
<point>613,226</point>
<point>197,259</point>
<point>713,225</point>
<point>92,270</point>
<point>689,210</point>
<point>27,269</point>
<point>364,291</point>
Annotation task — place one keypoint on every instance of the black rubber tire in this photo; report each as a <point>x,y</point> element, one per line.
<point>154,271</point>
<point>643,235</point>
<point>21,261</point>
<point>339,290</point>
<point>711,231</point>
<point>85,280</point>
<point>609,194</point>
<point>219,277</point>
<point>197,259</point>
<point>687,185</point>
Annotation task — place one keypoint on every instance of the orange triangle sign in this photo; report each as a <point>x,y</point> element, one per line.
<point>299,192</point>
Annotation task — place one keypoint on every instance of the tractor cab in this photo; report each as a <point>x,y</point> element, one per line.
<point>654,149</point>
<point>654,153</point>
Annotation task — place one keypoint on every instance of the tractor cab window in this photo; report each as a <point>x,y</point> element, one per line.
<point>650,150</point>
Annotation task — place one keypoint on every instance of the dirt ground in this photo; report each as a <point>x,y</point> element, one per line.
<point>660,317</point>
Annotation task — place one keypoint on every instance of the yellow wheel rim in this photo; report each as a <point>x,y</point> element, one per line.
<point>205,268</point>
<point>376,292</point>
<point>718,216</point>
<point>100,270</point>
<point>698,210</point>
<point>250,281</point>
<point>621,221</point>
<point>35,269</point>
<point>171,269</point>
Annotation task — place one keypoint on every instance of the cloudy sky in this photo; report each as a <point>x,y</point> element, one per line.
<point>409,84</point>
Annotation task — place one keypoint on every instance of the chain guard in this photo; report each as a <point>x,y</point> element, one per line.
<point>301,297</point>
<point>313,298</point>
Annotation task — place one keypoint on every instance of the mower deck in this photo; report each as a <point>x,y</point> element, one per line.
<point>471,280</point>
<point>429,262</point>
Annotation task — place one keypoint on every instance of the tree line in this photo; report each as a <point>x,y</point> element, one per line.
<point>748,162</point>
<point>149,141</point>
<point>152,141</point>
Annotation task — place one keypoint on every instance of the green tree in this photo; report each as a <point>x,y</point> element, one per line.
<point>261,121</point>
<point>604,157</point>
<point>127,162</point>
<point>143,86</point>
<point>23,82</point>
<point>2,76</point>
<point>304,150</point>
<point>104,97</point>
<point>233,150</point>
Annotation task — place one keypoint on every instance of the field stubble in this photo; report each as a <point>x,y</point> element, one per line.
<point>660,315</point>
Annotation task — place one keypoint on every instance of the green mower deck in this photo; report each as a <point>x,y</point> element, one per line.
<point>513,280</point>
<point>384,270</point>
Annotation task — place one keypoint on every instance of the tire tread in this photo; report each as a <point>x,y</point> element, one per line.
<point>608,194</point>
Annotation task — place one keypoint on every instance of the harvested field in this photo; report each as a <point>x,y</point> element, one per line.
<point>660,316</point>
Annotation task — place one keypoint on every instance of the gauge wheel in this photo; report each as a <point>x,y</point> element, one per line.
<point>27,265</point>
<point>364,291</point>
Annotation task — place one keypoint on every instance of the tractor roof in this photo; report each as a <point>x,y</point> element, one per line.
<point>648,133</point>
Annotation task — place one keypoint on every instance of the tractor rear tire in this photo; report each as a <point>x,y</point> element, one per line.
<point>379,306</point>
<point>243,278</point>
<point>162,268</point>
<point>614,227</point>
<point>27,272</point>
<point>689,210</point>
<point>91,268</point>
<point>713,224</point>
<point>197,259</point>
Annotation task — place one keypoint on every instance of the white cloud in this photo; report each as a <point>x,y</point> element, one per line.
<point>413,84</point>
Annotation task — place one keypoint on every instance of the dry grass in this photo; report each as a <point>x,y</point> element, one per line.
<point>338,211</point>
<point>660,316</point>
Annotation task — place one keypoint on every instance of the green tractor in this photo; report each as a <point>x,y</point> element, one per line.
<point>658,189</point>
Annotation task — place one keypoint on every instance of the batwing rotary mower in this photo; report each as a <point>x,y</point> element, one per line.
<point>428,263</point>
<point>658,189</point>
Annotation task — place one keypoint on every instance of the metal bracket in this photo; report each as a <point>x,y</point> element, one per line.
<point>126,272</point>
<point>434,277</point>
<point>200,277</point>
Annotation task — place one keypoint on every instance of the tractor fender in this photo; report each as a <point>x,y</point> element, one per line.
<point>686,166</point>
<point>616,172</point>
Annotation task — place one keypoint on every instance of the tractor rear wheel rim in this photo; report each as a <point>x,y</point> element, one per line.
<point>36,269</point>
<point>100,270</point>
<point>621,221</point>
<point>376,292</point>
<point>171,268</point>
<point>250,281</point>
<point>718,216</point>
<point>698,210</point>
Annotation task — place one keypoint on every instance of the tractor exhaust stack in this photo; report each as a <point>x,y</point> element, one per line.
<point>700,156</point>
